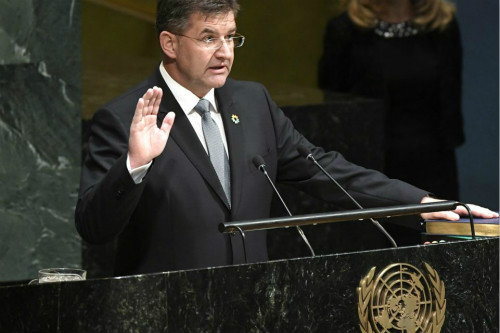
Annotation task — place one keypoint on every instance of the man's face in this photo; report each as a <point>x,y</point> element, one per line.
<point>200,69</point>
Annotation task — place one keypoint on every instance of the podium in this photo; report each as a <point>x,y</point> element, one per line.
<point>311,294</point>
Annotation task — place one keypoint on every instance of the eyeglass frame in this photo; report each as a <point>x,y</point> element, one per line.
<point>222,41</point>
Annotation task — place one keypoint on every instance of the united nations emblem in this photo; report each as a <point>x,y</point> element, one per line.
<point>401,299</point>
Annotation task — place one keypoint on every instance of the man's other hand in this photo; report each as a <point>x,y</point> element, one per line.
<point>454,215</point>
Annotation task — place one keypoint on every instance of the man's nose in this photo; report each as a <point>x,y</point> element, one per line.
<point>225,49</point>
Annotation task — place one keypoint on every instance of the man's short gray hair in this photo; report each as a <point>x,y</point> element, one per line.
<point>173,15</point>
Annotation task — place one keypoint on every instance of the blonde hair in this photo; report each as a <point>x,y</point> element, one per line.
<point>428,14</point>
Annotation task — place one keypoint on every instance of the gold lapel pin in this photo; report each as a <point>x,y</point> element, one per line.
<point>235,119</point>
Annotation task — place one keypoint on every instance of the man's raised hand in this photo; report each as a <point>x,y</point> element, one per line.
<point>147,141</point>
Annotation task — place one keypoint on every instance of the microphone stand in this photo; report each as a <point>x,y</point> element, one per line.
<point>309,156</point>
<point>261,166</point>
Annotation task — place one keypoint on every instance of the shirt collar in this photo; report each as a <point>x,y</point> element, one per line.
<point>186,99</point>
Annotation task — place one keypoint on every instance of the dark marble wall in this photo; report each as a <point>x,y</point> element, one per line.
<point>40,56</point>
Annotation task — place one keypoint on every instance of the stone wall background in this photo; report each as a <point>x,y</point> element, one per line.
<point>40,106</point>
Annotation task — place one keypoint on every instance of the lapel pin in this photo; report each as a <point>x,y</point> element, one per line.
<point>235,119</point>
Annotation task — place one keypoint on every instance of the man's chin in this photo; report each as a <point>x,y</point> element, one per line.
<point>219,82</point>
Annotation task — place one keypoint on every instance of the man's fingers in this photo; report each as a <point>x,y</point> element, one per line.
<point>138,111</point>
<point>157,100</point>
<point>443,215</point>
<point>448,215</point>
<point>149,99</point>
<point>478,211</point>
<point>168,122</point>
<point>152,101</point>
<point>149,104</point>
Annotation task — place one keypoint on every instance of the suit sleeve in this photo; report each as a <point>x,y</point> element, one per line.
<point>371,188</point>
<point>108,194</point>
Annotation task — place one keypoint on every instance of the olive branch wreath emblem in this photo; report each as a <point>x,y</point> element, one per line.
<point>431,324</point>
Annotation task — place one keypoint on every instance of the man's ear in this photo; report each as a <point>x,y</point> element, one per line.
<point>168,43</point>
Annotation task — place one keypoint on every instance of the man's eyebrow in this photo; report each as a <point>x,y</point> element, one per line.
<point>207,30</point>
<point>211,31</point>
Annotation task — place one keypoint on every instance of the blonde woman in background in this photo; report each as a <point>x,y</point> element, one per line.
<point>408,53</point>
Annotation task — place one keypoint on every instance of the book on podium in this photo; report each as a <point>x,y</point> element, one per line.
<point>482,227</point>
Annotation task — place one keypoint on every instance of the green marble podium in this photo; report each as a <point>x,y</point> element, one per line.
<point>297,295</point>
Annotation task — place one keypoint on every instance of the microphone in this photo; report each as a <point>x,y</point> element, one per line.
<point>260,164</point>
<point>306,153</point>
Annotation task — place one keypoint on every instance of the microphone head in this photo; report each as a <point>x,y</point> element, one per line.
<point>304,151</point>
<point>259,162</point>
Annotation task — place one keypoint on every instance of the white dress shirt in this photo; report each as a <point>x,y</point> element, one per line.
<point>187,101</point>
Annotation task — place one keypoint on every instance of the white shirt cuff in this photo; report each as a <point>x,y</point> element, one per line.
<point>138,173</point>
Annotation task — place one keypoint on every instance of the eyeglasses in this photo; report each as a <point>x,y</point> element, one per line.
<point>211,43</point>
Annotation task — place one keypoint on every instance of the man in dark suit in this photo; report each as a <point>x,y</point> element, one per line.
<point>155,186</point>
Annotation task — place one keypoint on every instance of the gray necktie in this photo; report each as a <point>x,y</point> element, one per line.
<point>216,150</point>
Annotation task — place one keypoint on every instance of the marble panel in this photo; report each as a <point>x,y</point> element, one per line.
<point>319,294</point>
<point>126,304</point>
<point>39,135</point>
<point>29,308</point>
<point>298,295</point>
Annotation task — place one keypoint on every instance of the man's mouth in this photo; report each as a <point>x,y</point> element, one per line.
<point>217,68</point>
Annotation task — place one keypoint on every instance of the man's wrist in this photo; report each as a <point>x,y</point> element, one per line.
<point>139,172</point>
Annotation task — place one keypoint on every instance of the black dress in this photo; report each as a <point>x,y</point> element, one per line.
<point>418,75</point>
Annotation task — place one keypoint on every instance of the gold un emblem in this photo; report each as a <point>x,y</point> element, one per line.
<point>401,299</point>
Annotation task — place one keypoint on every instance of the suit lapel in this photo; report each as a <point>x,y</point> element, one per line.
<point>184,135</point>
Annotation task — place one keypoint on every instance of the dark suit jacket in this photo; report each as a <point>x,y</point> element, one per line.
<point>169,221</point>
